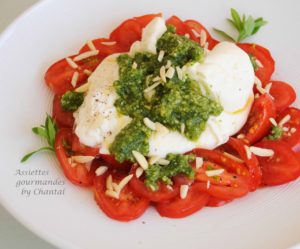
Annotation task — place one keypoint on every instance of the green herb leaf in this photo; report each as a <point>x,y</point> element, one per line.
<point>276,133</point>
<point>245,26</point>
<point>47,131</point>
<point>71,101</point>
<point>27,156</point>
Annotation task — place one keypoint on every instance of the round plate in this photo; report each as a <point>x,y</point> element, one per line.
<point>38,194</point>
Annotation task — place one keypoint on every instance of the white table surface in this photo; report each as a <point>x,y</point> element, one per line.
<point>13,235</point>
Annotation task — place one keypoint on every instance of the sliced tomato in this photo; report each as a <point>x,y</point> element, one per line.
<point>59,76</point>
<point>162,194</point>
<point>252,163</point>
<point>178,24</point>
<point>221,159</point>
<point>145,19</point>
<point>292,135</point>
<point>198,27</point>
<point>79,173</point>
<point>112,162</point>
<point>128,207</point>
<point>258,123</point>
<point>224,186</point>
<point>262,54</point>
<point>179,208</point>
<point>216,202</point>
<point>83,149</point>
<point>283,93</point>
<point>105,46</point>
<point>280,168</point>
<point>127,33</point>
<point>61,117</point>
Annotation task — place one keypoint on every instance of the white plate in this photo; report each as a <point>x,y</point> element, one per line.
<point>268,218</point>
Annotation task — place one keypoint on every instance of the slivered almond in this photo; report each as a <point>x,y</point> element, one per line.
<point>153,160</point>
<point>124,181</point>
<point>134,65</point>
<point>109,43</point>
<point>86,55</point>
<point>82,159</point>
<point>293,130</point>
<point>284,120</point>
<point>257,81</point>
<point>208,184</point>
<point>161,129</point>
<point>141,160</point>
<point>182,128</point>
<point>112,194</point>
<point>248,152</point>
<point>214,172</point>
<point>179,73</point>
<point>163,161</point>
<point>195,33</point>
<point>170,73</point>
<point>91,45</point>
<point>109,182</point>
<point>241,136</point>
<point>262,152</point>
<point>151,125</point>
<point>199,162</point>
<point>101,170</point>
<point>233,157</point>
<point>74,79</point>
<point>162,74</point>
<point>139,171</point>
<point>83,88</point>
<point>152,87</point>
<point>203,38</point>
<point>71,63</point>
<point>169,64</point>
<point>161,55</point>
<point>273,121</point>
<point>87,72</point>
<point>258,63</point>
<point>184,191</point>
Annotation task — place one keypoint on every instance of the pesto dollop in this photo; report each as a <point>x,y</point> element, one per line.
<point>178,103</point>
<point>71,101</point>
<point>178,164</point>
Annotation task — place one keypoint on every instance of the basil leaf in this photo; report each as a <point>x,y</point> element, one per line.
<point>51,129</point>
<point>27,156</point>
<point>40,131</point>
<point>222,33</point>
<point>236,19</point>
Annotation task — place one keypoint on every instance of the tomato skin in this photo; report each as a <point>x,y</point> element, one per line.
<point>283,93</point>
<point>78,175</point>
<point>217,202</point>
<point>258,123</point>
<point>293,139</point>
<point>83,149</point>
<point>61,117</point>
<point>112,162</point>
<point>264,56</point>
<point>281,168</point>
<point>180,208</point>
<point>145,19</point>
<point>194,25</point>
<point>178,24</point>
<point>128,207</point>
<point>252,163</point>
<point>162,194</point>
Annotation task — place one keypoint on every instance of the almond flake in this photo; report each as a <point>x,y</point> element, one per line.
<point>151,125</point>
<point>233,157</point>
<point>199,162</point>
<point>273,121</point>
<point>258,63</point>
<point>139,171</point>
<point>179,73</point>
<point>161,55</point>
<point>214,172</point>
<point>109,43</point>
<point>285,120</point>
<point>161,129</point>
<point>86,55</point>
<point>261,151</point>
<point>162,73</point>
<point>134,65</point>
<point>91,45</point>
<point>152,87</point>
<point>163,161</point>
<point>83,88</point>
<point>141,160</point>
<point>82,159</point>
<point>203,38</point>
<point>248,152</point>
<point>184,191</point>
<point>170,73</point>
<point>109,182</point>
<point>111,194</point>
<point>101,170</point>
<point>71,63</point>
<point>74,79</point>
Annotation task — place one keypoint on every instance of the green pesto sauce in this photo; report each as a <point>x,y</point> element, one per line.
<point>275,133</point>
<point>71,101</point>
<point>178,164</point>
<point>133,137</point>
<point>176,103</point>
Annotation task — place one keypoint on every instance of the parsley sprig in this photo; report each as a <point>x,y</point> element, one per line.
<point>47,131</point>
<point>245,26</point>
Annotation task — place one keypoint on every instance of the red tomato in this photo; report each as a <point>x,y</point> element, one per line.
<point>283,93</point>
<point>59,76</point>
<point>252,163</point>
<point>216,202</point>
<point>280,168</point>
<point>145,19</point>
<point>127,33</point>
<point>83,149</point>
<point>292,138</point>
<point>178,24</point>
<point>104,49</point>
<point>112,162</point>
<point>194,25</point>
<point>221,159</point>
<point>258,123</point>
<point>79,174</point>
<point>162,194</point>
<point>128,207</point>
<point>61,117</point>
<point>179,208</point>
<point>263,55</point>
<point>224,186</point>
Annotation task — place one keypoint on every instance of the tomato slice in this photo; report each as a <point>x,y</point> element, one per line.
<point>79,173</point>
<point>178,24</point>
<point>194,25</point>
<point>105,46</point>
<point>292,135</point>
<point>59,76</point>
<point>225,186</point>
<point>258,123</point>
<point>145,19</point>
<point>179,208</point>
<point>221,159</point>
<point>127,33</point>
<point>282,167</point>
<point>252,163</point>
<point>262,54</point>
<point>162,194</point>
<point>128,207</point>
<point>61,117</point>
<point>83,149</point>
<point>217,202</point>
<point>283,93</point>
<point>112,162</point>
